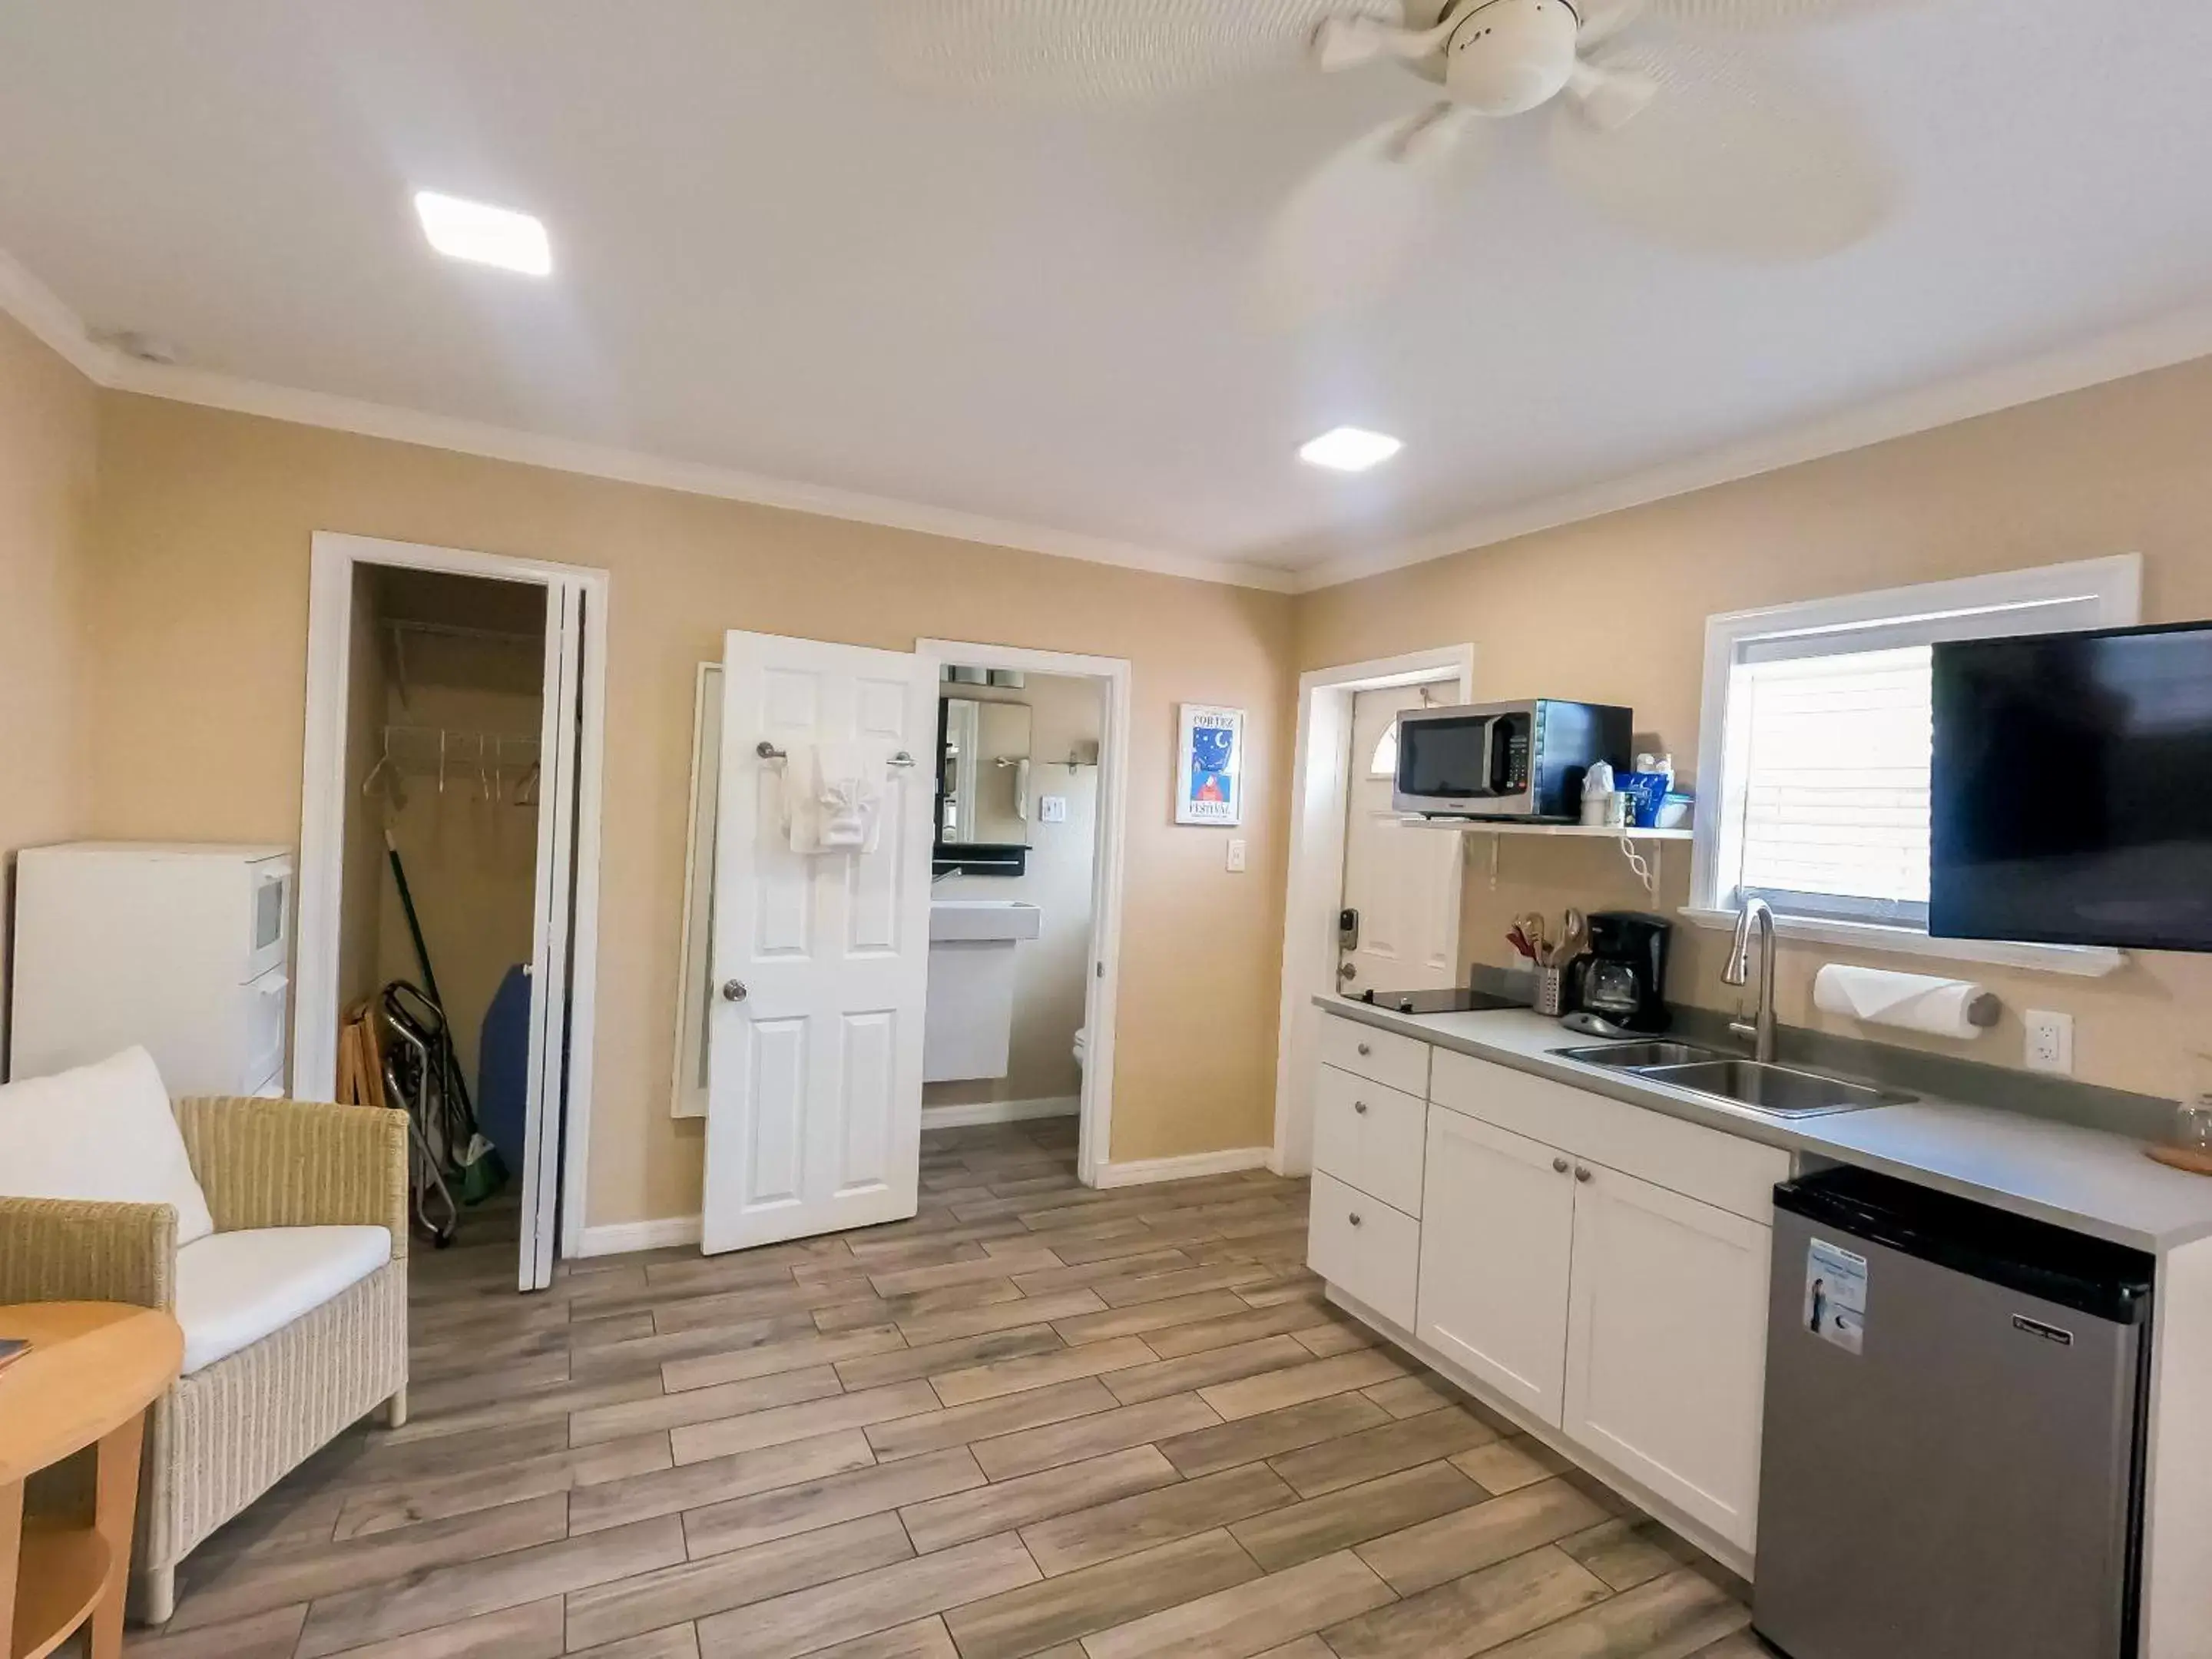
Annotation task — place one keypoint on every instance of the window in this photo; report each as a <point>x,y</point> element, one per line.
<point>1383,762</point>
<point>1818,715</point>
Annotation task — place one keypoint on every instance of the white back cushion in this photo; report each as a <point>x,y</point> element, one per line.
<point>104,1133</point>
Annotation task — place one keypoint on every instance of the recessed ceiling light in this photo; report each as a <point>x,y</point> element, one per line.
<point>1349,449</point>
<point>486,235</point>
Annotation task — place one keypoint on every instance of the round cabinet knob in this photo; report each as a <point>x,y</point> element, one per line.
<point>733,990</point>
<point>1355,1217</point>
<point>1581,1172</point>
<point>1560,1165</point>
<point>1360,1107</point>
<point>1365,1050</point>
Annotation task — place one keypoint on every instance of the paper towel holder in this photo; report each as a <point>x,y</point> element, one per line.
<point>1985,1009</point>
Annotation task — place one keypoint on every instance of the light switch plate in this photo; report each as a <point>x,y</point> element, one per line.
<point>2050,1042</point>
<point>1237,856</point>
<point>1052,809</point>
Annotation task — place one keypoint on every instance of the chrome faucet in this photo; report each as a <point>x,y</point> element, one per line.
<point>1760,1027</point>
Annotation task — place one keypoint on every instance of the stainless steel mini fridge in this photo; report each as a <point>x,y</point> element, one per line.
<point>1953,1459</point>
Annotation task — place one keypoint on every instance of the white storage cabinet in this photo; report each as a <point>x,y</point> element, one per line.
<point>179,947</point>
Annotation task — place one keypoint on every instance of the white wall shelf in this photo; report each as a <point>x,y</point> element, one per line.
<point>1499,827</point>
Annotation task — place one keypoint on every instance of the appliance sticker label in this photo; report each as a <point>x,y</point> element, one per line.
<point>1836,1295</point>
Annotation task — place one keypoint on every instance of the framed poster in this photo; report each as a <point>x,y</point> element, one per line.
<point>1210,765</point>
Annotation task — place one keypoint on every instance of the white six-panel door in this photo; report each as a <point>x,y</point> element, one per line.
<point>819,963</point>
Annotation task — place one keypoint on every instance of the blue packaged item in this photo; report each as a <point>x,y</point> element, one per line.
<point>1645,790</point>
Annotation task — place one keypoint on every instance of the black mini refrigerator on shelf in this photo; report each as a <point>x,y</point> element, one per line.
<point>1623,979</point>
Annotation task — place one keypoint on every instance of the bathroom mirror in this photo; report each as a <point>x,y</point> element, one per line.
<point>983,773</point>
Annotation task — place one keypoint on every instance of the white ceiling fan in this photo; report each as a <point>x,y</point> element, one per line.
<point>1655,121</point>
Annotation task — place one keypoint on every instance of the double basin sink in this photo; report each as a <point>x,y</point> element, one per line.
<point>1776,1090</point>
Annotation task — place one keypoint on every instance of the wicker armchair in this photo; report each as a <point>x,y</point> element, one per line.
<point>226,1434</point>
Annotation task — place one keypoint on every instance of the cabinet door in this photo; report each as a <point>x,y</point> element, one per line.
<point>1496,1226</point>
<point>1370,1136</point>
<point>1363,1247</point>
<point>1667,1345</point>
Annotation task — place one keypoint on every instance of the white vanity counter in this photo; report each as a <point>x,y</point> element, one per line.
<point>2093,1182</point>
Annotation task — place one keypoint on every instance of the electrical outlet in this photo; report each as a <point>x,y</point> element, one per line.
<point>1052,809</point>
<point>1237,856</point>
<point>2050,1042</point>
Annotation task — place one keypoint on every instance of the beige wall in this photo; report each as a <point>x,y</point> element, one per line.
<point>1613,611</point>
<point>198,613</point>
<point>1054,968</point>
<point>48,452</point>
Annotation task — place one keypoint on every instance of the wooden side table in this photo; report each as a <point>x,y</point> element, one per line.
<point>92,1370</point>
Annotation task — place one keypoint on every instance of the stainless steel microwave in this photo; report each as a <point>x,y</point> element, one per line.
<point>1507,760</point>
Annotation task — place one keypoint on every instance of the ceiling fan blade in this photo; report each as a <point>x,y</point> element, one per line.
<point>1347,234</point>
<point>1603,19</point>
<point>1764,14</point>
<point>1727,159</point>
<point>1101,51</point>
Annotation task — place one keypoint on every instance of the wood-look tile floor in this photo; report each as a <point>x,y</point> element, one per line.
<point>1036,1418</point>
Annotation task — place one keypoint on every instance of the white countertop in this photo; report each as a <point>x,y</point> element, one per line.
<point>2092,1182</point>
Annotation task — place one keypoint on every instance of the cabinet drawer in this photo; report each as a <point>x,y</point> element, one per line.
<point>1364,1248</point>
<point>1402,1062</point>
<point>1371,1136</point>
<point>1708,1165</point>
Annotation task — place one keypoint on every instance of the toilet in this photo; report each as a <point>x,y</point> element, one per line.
<point>1081,1043</point>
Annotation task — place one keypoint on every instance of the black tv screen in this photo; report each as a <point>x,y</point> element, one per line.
<point>2071,789</point>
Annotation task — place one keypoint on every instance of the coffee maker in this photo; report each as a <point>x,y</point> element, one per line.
<point>1623,977</point>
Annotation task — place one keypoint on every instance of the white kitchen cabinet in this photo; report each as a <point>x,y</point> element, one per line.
<point>1497,1237</point>
<point>1402,1062</point>
<point>1665,1348</point>
<point>1371,1136</point>
<point>1361,1245</point>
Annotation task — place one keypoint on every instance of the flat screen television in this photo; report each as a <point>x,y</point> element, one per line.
<point>2071,788</point>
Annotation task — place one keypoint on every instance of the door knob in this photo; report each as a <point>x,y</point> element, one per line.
<point>1360,1107</point>
<point>1581,1172</point>
<point>1560,1165</point>
<point>1365,1050</point>
<point>1345,970</point>
<point>1355,1217</point>
<point>733,990</point>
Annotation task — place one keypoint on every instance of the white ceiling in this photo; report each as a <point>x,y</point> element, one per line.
<point>774,257</point>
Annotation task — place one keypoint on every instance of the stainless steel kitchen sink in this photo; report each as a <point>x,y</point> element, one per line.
<point>1635,1056</point>
<point>1779,1090</point>
<point>1775,1090</point>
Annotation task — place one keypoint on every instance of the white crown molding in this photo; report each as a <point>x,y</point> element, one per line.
<point>2176,338</point>
<point>40,310</point>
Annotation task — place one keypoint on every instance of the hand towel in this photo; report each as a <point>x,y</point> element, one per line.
<point>848,795</point>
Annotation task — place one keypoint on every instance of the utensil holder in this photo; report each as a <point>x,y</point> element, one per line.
<point>1551,991</point>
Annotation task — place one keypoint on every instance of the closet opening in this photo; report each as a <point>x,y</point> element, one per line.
<point>448,878</point>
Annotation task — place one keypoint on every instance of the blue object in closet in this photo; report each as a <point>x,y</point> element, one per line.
<point>503,1067</point>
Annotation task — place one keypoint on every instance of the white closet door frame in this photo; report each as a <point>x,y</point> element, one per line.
<point>323,789</point>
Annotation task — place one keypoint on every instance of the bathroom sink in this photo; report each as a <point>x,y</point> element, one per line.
<point>987,921</point>
<point>1776,1090</point>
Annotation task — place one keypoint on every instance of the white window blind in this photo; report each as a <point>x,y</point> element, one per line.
<point>1834,753</point>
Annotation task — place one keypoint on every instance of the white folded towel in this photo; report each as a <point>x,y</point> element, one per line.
<point>848,795</point>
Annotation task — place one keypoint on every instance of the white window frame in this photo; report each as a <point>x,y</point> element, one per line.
<point>2114,585</point>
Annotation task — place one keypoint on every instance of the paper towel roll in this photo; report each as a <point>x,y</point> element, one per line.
<point>1914,1002</point>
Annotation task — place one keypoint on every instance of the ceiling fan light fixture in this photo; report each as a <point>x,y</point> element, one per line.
<point>1349,449</point>
<point>484,235</point>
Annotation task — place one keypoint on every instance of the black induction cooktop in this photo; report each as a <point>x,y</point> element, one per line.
<point>1459,999</point>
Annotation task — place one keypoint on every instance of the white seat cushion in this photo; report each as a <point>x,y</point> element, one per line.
<point>104,1133</point>
<point>234,1288</point>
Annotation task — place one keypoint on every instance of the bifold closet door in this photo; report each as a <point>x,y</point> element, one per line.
<point>553,929</point>
<point>820,962</point>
